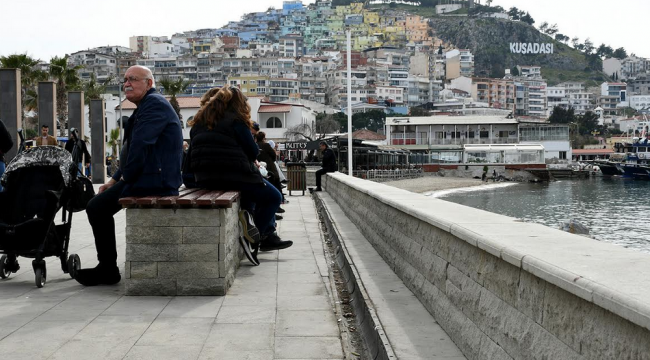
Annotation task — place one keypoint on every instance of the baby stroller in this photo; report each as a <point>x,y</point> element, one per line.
<point>38,183</point>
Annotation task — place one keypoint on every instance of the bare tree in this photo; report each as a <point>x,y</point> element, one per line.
<point>315,131</point>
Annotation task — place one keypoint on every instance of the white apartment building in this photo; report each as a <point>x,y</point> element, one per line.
<point>556,96</point>
<point>142,44</point>
<point>393,94</point>
<point>581,102</point>
<point>633,66</point>
<point>640,102</point>
<point>466,63</point>
<point>103,66</point>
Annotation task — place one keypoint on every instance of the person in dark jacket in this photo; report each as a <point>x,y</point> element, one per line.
<point>267,155</point>
<point>329,164</point>
<point>150,165</point>
<point>6,143</point>
<point>82,150</point>
<point>223,156</point>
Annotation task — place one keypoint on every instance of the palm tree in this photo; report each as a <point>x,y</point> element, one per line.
<point>67,79</point>
<point>93,89</point>
<point>29,78</point>
<point>114,142</point>
<point>174,87</point>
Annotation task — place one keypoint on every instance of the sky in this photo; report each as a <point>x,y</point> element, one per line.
<point>47,28</point>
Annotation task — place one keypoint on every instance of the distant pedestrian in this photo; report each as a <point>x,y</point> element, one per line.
<point>6,143</point>
<point>329,164</point>
<point>45,138</point>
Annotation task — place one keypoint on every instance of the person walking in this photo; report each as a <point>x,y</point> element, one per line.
<point>150,166</point>
<point>329,164</point>
<point>45,138</point>
<point>6,143</point>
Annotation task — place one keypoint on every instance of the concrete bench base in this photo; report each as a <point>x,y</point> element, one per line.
<point>181,251</point>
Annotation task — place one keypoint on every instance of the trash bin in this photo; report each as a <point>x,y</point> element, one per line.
<point>296,177</point>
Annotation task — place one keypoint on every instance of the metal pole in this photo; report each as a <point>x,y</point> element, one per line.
<point>349,103</point>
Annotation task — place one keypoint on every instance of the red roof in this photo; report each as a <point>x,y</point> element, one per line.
<point>274,109</point>
<point>365,134</point>
<point>183,103</point>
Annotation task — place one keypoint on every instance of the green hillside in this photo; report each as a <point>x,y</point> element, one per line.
<point>489,40</point>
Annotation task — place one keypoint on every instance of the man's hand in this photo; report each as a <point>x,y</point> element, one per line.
<point>257,163</point>
<point>107,186</point>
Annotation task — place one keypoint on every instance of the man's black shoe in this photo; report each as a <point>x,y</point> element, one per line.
<point>278,217</point>
<point>284,181</point>
<point>99,275</point>
<point>273,242</point>
<point>280,211</point>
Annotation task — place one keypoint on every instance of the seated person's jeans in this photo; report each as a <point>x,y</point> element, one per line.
<point>2,171</point>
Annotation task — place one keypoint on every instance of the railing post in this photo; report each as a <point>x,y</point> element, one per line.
<point>11,106</point>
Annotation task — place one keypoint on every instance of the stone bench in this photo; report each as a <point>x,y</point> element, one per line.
<point>182,245</point>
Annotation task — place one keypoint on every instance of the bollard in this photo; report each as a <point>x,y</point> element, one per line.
<point>97,140</point>
<point>11,106</point>
<point>47,106</point>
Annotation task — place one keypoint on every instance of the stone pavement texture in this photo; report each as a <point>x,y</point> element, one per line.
<point>278,310</point>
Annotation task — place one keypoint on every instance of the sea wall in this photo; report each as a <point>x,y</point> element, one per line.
<point>501,288</point>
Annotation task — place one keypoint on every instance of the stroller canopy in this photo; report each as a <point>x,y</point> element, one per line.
<point>43,156</point>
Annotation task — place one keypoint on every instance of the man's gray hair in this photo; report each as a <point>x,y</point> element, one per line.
<point>149,74</point>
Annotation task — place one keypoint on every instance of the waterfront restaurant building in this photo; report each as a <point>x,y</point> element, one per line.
<point>450,139</point>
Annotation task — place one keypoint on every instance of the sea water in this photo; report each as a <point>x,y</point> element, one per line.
<point>615,210</point>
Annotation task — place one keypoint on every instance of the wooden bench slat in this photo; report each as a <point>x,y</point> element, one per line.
<point>148,200</point>
<point>171,200</point>
<point>208,198</point>
<point>227,198</point>
<point>190,199</point>
<point>128,201</point>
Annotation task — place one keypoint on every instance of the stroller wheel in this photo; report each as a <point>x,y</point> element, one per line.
<point>40,276</point>
<point>5,271</point>
<point>74,264</point>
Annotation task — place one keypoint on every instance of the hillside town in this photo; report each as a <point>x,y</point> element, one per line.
<point>292,65</point>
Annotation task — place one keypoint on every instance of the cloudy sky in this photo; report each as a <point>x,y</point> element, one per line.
<point>45,28</point>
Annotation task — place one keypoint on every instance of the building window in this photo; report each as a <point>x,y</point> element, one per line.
<point>562,155</point>
<point>274,122</point>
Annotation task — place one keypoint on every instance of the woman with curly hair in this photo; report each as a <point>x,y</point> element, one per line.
<point>223,156</point>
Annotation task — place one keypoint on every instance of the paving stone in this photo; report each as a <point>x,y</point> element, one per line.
<point>308,348</point>
<point>193,306</point>
<point>147,306</point>
<point>176,332</point>
<point>80,349</point>
<point>164,352</point>
<point>306,323</point>
<point>246,315</point>
<point>241,336</point>
<point>217,354</point>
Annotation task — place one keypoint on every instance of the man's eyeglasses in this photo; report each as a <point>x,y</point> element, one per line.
<point>131,79</point>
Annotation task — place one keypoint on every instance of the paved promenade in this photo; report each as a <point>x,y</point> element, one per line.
<point>278,310</point>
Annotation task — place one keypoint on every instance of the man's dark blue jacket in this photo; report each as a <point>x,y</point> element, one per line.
<point>150,161</point>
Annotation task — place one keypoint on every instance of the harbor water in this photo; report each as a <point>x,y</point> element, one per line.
<point>614,210</point>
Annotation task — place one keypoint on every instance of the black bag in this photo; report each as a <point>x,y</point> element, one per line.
<point>81,192</point>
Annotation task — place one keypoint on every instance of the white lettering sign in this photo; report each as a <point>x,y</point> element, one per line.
<point>531,48</point>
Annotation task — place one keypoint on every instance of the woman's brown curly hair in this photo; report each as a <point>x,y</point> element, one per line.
<point>217,101</point>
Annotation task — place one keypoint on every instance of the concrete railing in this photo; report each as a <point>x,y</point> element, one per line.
<point>501,288</point>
